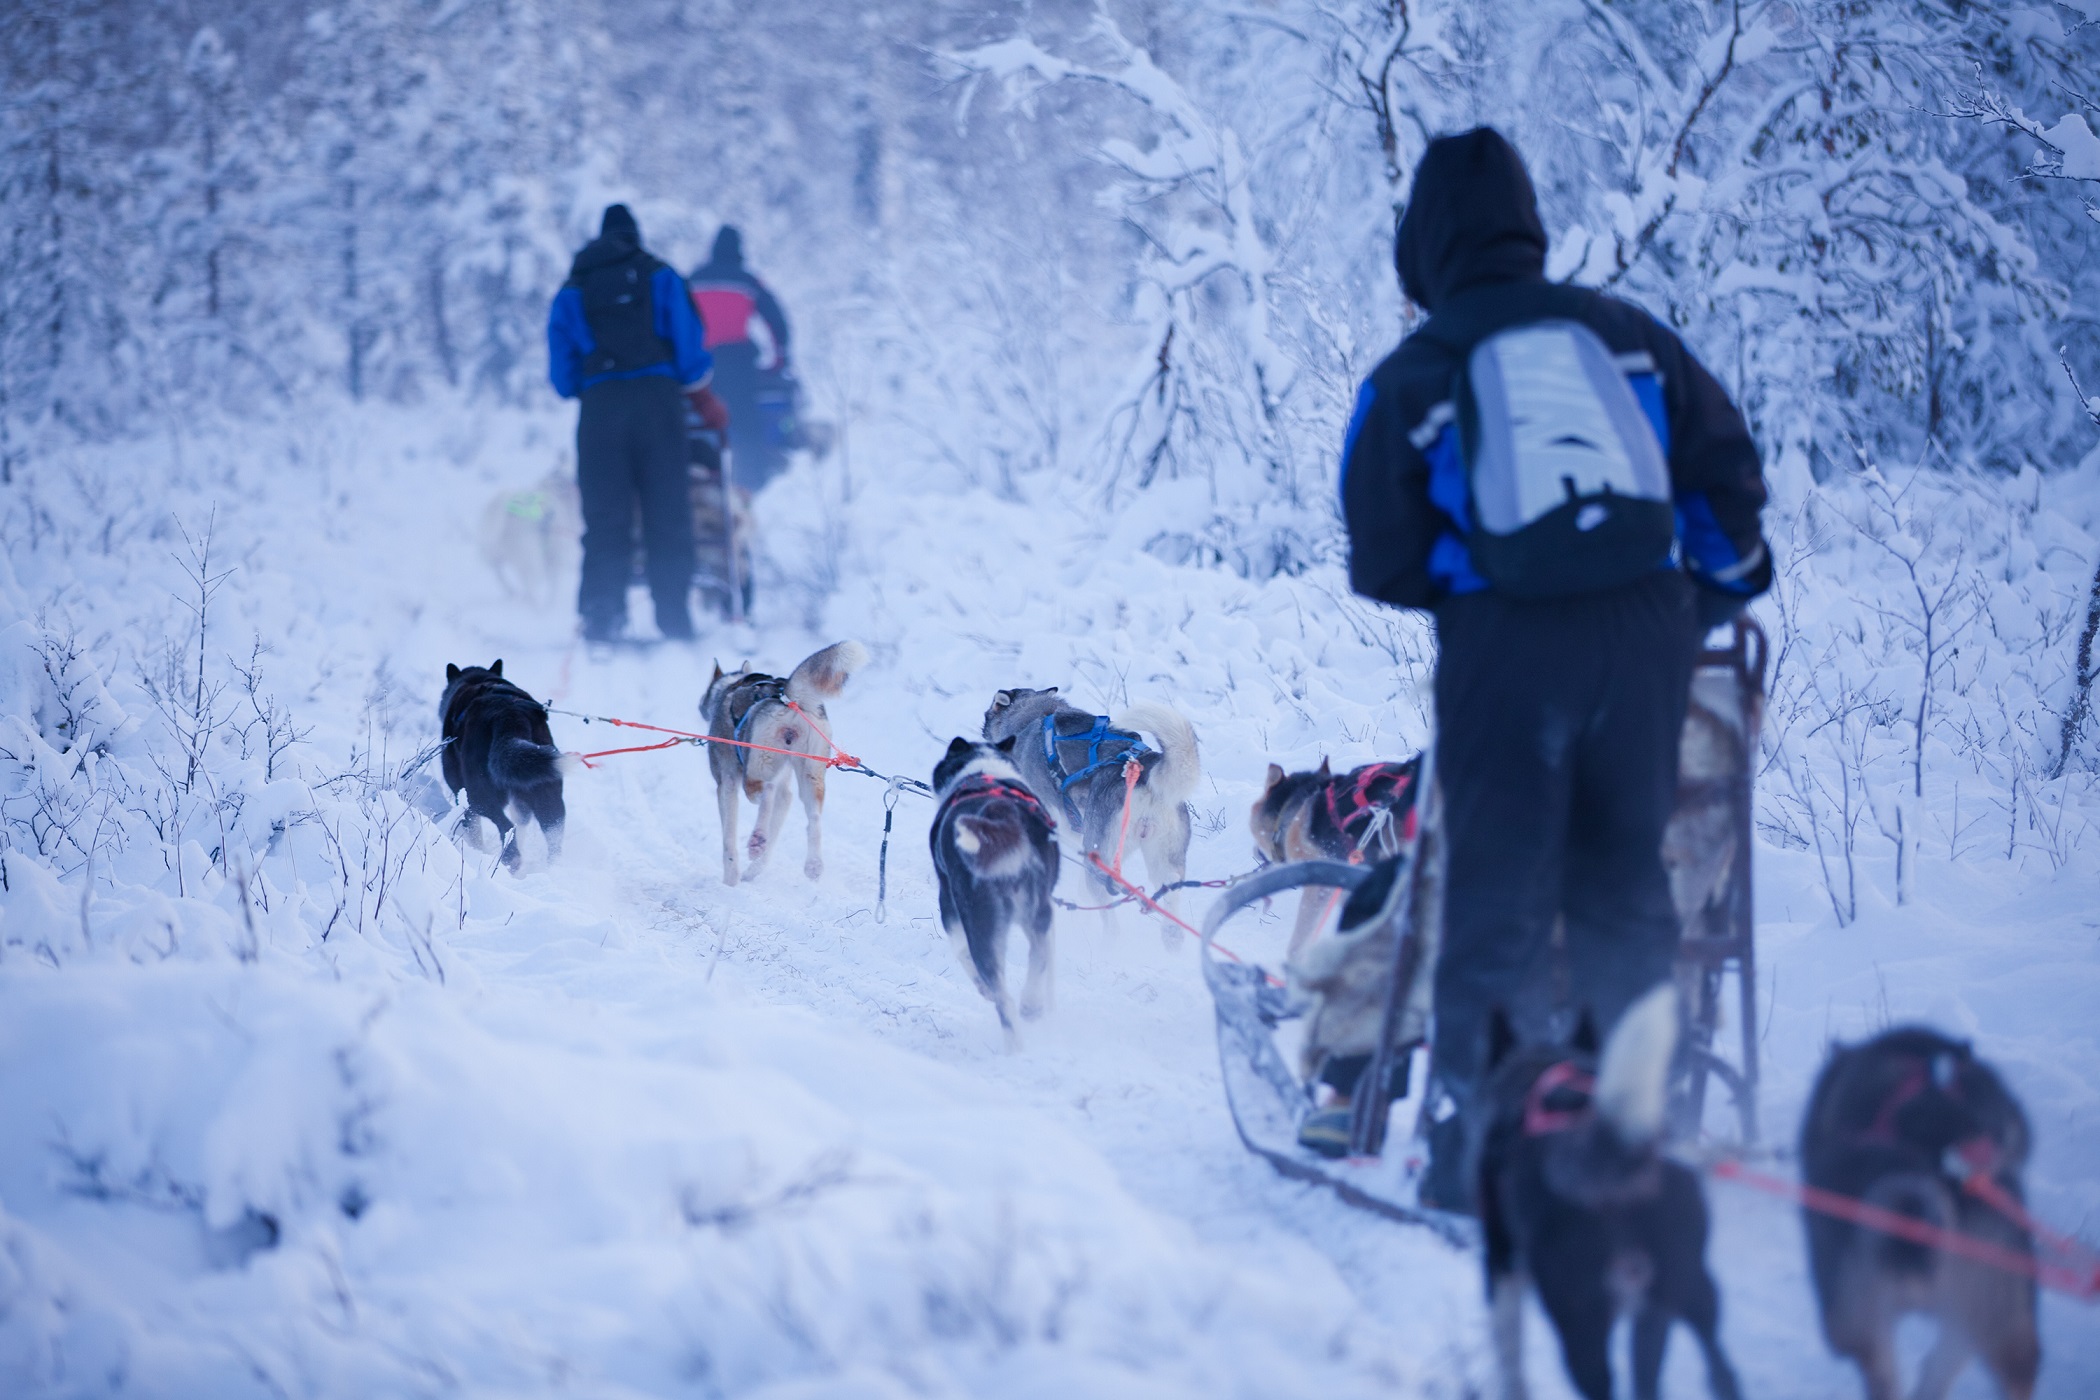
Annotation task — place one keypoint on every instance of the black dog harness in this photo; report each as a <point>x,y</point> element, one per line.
<point>1101,733</point>
<point>759,689</point>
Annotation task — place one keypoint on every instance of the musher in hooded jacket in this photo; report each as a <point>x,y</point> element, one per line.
<point>731,299</point>
<point>1558,707</point>
<point>622,337</point>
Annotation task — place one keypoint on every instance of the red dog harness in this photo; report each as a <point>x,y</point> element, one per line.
<point>1964,1160</point>
<point>984,787</point>
<point>1356,798</point>
<point>1559,1099</point>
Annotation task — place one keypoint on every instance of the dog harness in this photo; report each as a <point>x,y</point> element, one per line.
<point>529,505</point>
<point>1977,1153</point>
<point>1101,733</point>
<point>1558,1099</point>
<point>761,689</point>
<point>1355,799</point>
<point>984,787</point>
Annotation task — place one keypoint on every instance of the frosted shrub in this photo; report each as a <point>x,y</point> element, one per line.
<point>178,810</point>
<point>1924,626</point>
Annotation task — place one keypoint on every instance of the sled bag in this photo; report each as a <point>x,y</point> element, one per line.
<point>1570,492</point>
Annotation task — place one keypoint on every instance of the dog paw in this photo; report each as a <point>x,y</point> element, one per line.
<point>729,875</point>
<point>813,868</point>
<point>1031,1010</point>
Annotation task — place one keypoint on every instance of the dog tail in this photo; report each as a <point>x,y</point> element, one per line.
<point>824,673</point>
<point>1174,777</point>
<point>1633,1074</point>
<point>517,762</point>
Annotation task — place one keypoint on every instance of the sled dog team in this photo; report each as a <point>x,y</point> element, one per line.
<point>1577,1199</point>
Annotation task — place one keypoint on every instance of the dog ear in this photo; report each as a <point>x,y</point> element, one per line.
<point>451,673</point>
<point>1275,777</point>
<point>1585,1041</point>
<point>718,670</point>
<point>958,745</point>
<point>1502,1037</point>
<point>1325,771</point>
<point>1006,745</point>
<point>497,669</point>
<point>1001,699</point>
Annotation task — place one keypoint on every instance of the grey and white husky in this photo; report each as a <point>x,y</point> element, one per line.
<point>1074,761</point>
<point>995,853</point>
<point>785,718</point>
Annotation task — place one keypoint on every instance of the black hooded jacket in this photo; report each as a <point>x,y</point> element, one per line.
<point>1472,252</point>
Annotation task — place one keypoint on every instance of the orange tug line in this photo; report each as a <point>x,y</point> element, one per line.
<point>2080,1279</point>
<point>1131,773</point>
<point>839,757</point>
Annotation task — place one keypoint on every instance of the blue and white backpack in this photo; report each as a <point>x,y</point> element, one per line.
<point>1568,486</point>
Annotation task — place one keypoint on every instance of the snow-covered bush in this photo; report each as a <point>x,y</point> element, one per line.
<point>173,798</point>
<point>1924,635</point>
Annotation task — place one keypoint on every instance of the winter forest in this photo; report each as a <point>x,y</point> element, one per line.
<point>303,1093</point>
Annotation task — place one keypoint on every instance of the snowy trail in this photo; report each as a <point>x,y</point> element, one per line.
<point>1127,1062</point>
<point>648,1135</point>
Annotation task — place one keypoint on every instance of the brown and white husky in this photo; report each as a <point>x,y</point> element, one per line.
<point>779,731</point>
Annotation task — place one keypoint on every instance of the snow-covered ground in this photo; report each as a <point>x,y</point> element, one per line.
<point>614,1129</point>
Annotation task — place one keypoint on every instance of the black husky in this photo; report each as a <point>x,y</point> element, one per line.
<point>1899,1122</point>
<point>498,748</point>
<point>1575,1196</point>
<point>995,852</point>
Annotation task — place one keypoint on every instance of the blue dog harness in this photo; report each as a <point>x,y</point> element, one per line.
<point>1101,733</point>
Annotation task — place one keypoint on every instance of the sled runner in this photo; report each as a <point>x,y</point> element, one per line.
<point>1267,1099</point>
<point>1707,851</point>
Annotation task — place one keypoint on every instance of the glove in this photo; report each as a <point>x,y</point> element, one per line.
<point>713,413</point>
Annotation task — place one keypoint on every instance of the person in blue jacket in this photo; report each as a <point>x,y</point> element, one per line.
<point>1559,705</point>
<point>623,339</point>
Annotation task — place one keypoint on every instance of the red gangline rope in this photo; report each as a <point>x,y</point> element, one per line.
<point>2081,1281</point>
<point>839,757</point>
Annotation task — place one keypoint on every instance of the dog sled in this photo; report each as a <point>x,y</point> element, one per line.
<point>722,532</point>
<point>781,429</point>
<point>1383,966</point>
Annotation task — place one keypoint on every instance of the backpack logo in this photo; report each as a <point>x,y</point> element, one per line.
<point>1569,489</point>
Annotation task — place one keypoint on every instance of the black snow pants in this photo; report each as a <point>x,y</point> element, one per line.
<point>1558,724</point>
<point>631,448</point>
